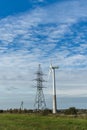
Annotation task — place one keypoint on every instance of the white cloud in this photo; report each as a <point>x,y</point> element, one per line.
<point>67,11</point>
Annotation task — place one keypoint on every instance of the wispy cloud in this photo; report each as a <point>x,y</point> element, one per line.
<point>67,11</point>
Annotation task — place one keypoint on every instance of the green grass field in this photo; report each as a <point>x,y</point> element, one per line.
<point>39,122</point>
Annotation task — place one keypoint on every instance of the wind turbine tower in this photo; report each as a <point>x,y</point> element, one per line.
<point>53,68</point>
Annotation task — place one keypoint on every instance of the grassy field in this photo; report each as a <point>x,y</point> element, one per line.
<point>39,122</point>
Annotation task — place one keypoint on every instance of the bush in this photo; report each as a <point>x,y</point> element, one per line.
<point>1,111</point>
<point>46,112</point>
<point>71,111</point>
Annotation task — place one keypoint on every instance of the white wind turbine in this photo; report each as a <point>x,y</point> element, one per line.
<point>52,70</point>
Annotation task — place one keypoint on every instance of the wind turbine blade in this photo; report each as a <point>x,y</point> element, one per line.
<point>49,73</point>
<point>50,66</point>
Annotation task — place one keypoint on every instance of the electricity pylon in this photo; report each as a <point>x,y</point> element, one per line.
<point>21,106</point>
<point>40,103</point>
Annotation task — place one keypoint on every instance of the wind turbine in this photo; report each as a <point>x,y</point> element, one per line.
<point>52,70</point>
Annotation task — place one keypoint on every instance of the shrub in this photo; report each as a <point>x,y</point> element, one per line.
<point>1,111</point>
<point>71,111</point>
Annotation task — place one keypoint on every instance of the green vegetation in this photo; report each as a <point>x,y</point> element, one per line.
<point>71,111</point>
<point>40,122</point>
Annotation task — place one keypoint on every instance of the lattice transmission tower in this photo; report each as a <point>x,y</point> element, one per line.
<point>40,103</point>
<point>21,106</point>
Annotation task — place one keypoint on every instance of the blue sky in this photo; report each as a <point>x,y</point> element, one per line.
<point>12,7</point>
<point>33,32</point>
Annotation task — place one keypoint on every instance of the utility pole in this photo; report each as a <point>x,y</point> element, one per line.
<point>39,99</point>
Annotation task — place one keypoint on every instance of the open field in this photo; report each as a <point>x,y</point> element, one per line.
<point>39,122</point>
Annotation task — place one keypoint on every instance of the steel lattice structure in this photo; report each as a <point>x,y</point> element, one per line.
<point>21,106</point>
<point>40,103</point>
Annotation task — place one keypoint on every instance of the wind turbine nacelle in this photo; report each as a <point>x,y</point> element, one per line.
<point>55,67</point>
